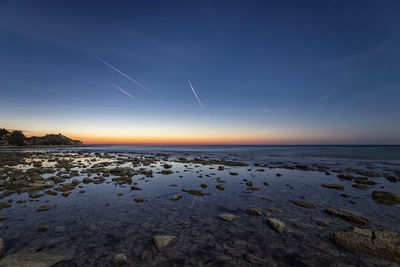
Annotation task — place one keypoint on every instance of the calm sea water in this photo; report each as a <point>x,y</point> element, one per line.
<point>353,152</point>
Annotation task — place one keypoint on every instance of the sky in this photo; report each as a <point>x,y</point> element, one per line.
<point>202,72</point>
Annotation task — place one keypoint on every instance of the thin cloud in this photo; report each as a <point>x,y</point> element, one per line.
<point>125,92</point>
<point>326,96</point>
<point>120,72</point>
<point>197,97</point>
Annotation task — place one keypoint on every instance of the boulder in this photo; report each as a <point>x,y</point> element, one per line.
<point>162,241</point>
<point>380,243</point>
<point>386,198</point>
<point>348,216</point>
<point>253,211</point>
<point>228,217</point>
<point>119,259</point>
<point>276,224</point>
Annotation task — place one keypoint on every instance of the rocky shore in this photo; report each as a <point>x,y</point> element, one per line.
<point>82,208</point>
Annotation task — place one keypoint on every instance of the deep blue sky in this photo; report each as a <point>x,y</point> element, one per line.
<point>265,71</point>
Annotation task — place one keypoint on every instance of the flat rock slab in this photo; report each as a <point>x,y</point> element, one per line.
<point>380,243</point>
<point>228,217</point>
<point>386,198</point>
<point>348,216</point>
<point>195,192</point>
<point>30,259</point>
<point>304,204</point>
<point>162,241</point>
<point>334,186</point>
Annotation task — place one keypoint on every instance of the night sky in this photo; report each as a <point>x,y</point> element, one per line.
<point>265,72</point>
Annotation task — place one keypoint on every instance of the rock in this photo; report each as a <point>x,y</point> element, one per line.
<point>322,223</point>
<point>1,247</point>
<point>254,211</point>
<point>119,259</point>
<point>345,195</point>
<point>386,198</point>
<point>166,172</point>
<point>363,180</point>
<point>361,186</point>
<point>276,210</point>
<point>348,216</point>
<point>203,186</point>
<point>2,218</point>
<point>220,186</point>
<point>194,192</point>
<point>31,259</point>
<point>75,182</point>
<point>176,197</point>
<point>233,173</point>
<point>4,205</point>
<point>87,180</point>
<point>334,186</point>
<point>304,204</point>
<point>49,192</point>
<point>43,228</point>
<point>279,174</point>
<point>346,176</point>
<point>228,217</point>
<point>162,241</point>
<point>139,199</point>
<point>44,208</point>
<point>266,184</point>
<point>276,224</point>
<point>249,183</point>
<point>380,243</point>
<point>167,166</point>
<point>66,194</point>
<point>134,187</point>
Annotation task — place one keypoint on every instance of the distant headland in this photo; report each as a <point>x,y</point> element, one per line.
<point>17,138</point>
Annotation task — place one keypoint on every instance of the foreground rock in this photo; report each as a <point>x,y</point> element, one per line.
<point>304,204</point>
<point>1,247</point>
<point>120,259</point>
<point>348,216</point>
<point>379,243</point>
<point>176,197</point>
<point>31,259</point>
<point>254,211</point>
<point>276,224</point>
<point>386,198</point>
<point>162,241</point>
<point>194,192</point>
<point>228,217</point>
<point>333,186</point>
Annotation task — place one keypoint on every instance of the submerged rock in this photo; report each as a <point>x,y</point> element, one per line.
<point>276,210</point>
<point>220,186</point>
<point>44,208</point>
<point>162,241</point>
<point>346,176</point>
<point>276,224</point>
<point>333,186</point>
<point>31,259</point>
<point>304,204</point>
<point>194,192</point>
<point>228,217</point>
<point>119,259</point>
<point>386,198</point>
<point>254,211</point>
<point>1,247</point>
<point>176,197</point>
<point>379,243</point>
<point>348,216</point>
<point>43,228</point>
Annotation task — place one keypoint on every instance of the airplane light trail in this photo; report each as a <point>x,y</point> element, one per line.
<point>125,92</point>
<point>195,94</point>
<point>120,72</point>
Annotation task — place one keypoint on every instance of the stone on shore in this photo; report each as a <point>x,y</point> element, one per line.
<point>194,192</point>
<point>31,259</point>
<point>119,259</point>
<point>386,198</point>
<point>228,217</point>
<point>348,216</point>
<point>304,204</point>
<point>380,243</point>
<point>176,197</point>
<point>44,208</point>
<point>276,224</point>
<point>162,241</point>
<point>333,186</point>
<point>253,211</point>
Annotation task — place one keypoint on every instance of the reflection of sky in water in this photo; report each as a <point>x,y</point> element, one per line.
<point>89,209</point>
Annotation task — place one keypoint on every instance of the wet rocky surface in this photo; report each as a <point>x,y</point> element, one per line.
<point>84,208</point>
